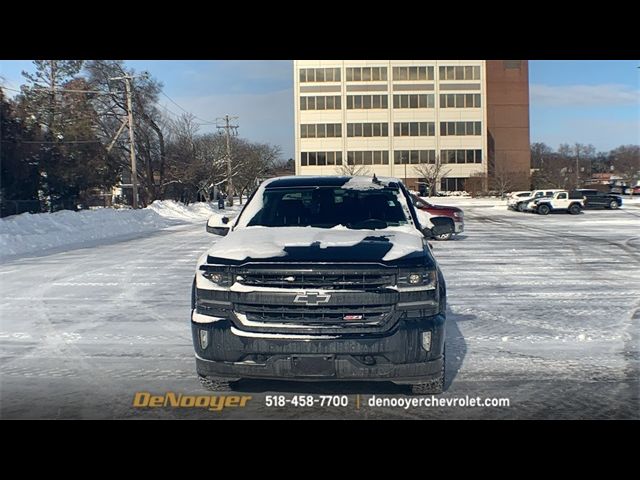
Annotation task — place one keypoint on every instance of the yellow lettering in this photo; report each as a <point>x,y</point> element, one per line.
<point>188,401</point>
<point>202,401</point>
<point>172,399</point>
<point>232,401</point>
<point>216,404</point>
<point>244,401</point>
<point>156,401</point>
<point>141,399</point>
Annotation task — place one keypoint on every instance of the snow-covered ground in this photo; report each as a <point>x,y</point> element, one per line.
<point>40,233</point>
<point>543,310</point>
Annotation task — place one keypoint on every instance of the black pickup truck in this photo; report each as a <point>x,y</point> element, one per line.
<point>321,278</point>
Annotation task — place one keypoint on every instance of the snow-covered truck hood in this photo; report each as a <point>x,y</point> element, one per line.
<point>310,244</point>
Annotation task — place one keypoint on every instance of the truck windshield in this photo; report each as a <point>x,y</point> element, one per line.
<point>326,207</point>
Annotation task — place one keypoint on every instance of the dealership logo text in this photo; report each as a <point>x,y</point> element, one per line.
<point>215,403</point>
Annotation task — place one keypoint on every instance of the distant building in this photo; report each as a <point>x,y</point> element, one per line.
<point>389,116</point>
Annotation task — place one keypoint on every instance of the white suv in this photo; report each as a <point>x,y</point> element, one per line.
<point>514,197</point>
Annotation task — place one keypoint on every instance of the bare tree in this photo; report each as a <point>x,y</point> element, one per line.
<point>626,162</point>
<point>432,173</point>
<point>111,107</point>
<point>474,185</point>
<point>540,152</point>
<point>505,180</point>
<point>352,170</point>
<point>252,163</point>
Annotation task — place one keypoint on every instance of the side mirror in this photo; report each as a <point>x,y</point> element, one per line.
<point>217,225</point>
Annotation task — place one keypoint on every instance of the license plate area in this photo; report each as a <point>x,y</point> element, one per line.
<point>313,365</point>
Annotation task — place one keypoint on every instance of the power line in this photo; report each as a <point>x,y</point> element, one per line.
<point>208,122</point>
<point>56,142</point>
<point>63,90</point>
<point>57,90</point>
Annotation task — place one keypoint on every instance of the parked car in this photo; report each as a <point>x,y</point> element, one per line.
<point>454,213</point>
<point>620,189</point>
<point>561,201</point>
<point>287,295</point>
<point>514,197</point>
<point>597,199</point>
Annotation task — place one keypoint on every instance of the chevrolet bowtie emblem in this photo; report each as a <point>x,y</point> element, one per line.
<point>312,298</point>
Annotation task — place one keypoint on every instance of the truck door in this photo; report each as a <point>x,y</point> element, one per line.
<point>561,201</point>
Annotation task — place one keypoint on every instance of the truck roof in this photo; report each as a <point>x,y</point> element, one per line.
<point>322,181</point>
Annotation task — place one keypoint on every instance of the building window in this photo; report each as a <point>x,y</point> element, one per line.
<point>366,74</point>
<point>319,75</point>
<point>452,184</point>
<point>367,102</point>
<point>460,100</point>
<point>412,73</point>
<point>369,157</point>
<point>321,130</point>
<point>320,158</point>
<point>320,103</point>
<point>414,157</point>
<point>414,129</point>
<point>413,101</point>
<point>367,130</point>
<point>460,128</point>
<point>461,156</point>
<point>459,73</point>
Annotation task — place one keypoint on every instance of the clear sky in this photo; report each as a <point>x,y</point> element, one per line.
<point>595,102</point>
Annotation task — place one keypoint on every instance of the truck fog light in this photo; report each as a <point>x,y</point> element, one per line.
<point>204,339</point>
<point>426,341</point>
<point>415,278</point>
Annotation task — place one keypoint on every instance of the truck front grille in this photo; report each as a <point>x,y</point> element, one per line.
<point>344,298</point>
<point>341,315</point>
<point>355,278</point>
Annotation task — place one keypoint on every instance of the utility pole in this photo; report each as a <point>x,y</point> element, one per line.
<point>577,166</point>
<point>132,143</point>
<point>225,123</point>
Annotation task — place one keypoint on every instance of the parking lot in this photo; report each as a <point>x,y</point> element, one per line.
<point>543,310</point>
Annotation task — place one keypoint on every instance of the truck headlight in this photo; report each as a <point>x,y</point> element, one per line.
<point>221,278</point>
<point>416,280</point>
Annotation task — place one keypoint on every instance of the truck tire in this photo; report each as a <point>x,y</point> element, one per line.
<point>521,206</point>
<point>214,384</point>
<point>574,209</point>
<point>613,205</point>
<point>432,386</point>
<point>543,209</point>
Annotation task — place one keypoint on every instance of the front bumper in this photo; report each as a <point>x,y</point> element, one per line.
<point>397,356</point>
<point>458,227</point>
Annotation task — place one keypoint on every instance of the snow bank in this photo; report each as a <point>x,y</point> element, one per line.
<point>178,211</point>
<point>33,233</point>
